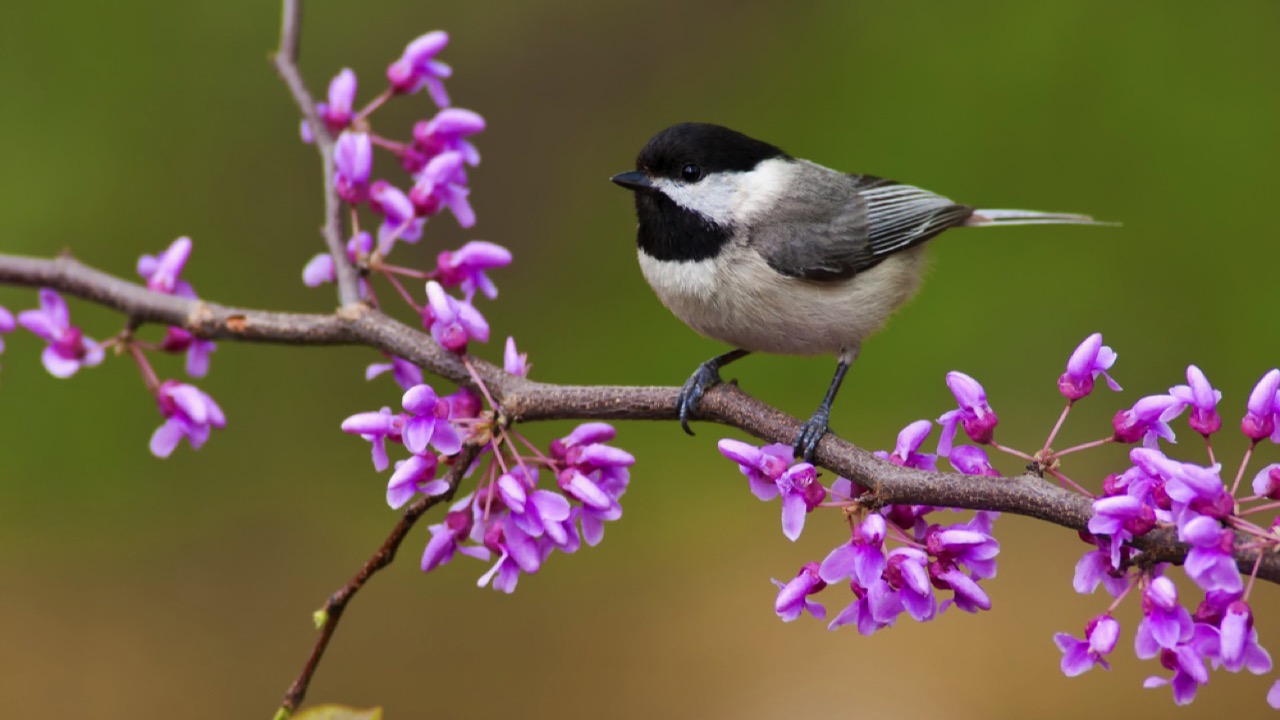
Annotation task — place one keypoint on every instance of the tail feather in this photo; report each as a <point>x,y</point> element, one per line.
<point>1029,217</point>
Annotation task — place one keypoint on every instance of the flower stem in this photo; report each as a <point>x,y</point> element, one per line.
<point>1063,479</point>
<point>148,373</point>
<point>1260,508</point>
<point>1011,451</point>
<point>403,292</point>
<point>1243,464</point>
<point>374,104</point>
<point>1057,426</point>
<point>1084,446</point>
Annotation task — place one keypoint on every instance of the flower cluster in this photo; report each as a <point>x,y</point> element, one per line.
<point>436,159</point>
<point>187,411</point>
<point>529,503</point>
<point>895,559</point>
<point>1158,492</point>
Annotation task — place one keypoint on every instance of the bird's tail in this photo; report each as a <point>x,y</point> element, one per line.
<point>981,218</point>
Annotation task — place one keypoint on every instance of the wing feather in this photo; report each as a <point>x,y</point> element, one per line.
<point>835,226</point>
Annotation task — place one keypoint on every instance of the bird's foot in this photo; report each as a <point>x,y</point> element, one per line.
<point>704,378</point>
<point>811,433</point>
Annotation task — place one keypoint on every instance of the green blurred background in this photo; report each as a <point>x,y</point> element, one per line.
<point>134,587</point>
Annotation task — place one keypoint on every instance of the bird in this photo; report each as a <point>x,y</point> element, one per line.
<point>770,253</point>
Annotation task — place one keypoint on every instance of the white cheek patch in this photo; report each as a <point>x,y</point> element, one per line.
<point>727,198</point>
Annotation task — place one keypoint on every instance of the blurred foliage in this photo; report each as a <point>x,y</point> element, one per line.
<point>134,586</point>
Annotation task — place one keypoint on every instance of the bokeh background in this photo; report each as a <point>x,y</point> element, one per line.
<point>132,587</point>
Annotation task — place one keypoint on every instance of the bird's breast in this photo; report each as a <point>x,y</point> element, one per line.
<point>738,299</point>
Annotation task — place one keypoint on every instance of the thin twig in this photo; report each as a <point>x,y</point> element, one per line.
<point>331,613</point>
<point>285,61</point>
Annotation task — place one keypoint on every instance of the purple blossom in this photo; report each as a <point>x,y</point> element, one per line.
<point>793,597</point>
<point>1147,420</point>
<point>7,324</point>
<point>907,572</point>
<point>1079,656</point>
<point>1210,563</point>
<point>417,67</point>
<point>873,608</point>
<point>445,539</point>
<point>352,166</point>
<point>399,221</point>
<point>969,595</point>
<point>337,113</point>
<point>1089,360</point>
<point>536,512</point>
<point>516,552</point>
<point>762,466</point>
<point>412,476</point>
<point>969,544</point>
<point>466,267</point>
<point>405,373</point>
<point>585,434</point>
<point>161,272</point>
<point>1273,695</point>
<point>447,132</point>
<point>377,428</point>
<point>975,415</point>
<point>515,362</point>
<point>1260,420</point>
<point>177,340</point>
<point>1164,623</point>
<point>68,349</point>
<point>319,269</point>
<point>971,460</point>
<point>1267,482</point>
<point>1095,567</point>
<point>606,467</point>
<point>428,422</point>
<point>188,413</point>
<point>1239,648</point>
<point>1189,673</point>
<point>453,322</point>
<point>1200,396</point>
<point>907,451</point>
<point>463,403</point>
<point>1120,513</point>
<point>862,557</point>
<point>443,184</point>
<point>801,493</point>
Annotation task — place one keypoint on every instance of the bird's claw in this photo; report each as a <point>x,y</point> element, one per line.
<point>702,379</point>
<point>810,434</point>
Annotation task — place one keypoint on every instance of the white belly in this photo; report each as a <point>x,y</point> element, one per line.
<point>738,299</point>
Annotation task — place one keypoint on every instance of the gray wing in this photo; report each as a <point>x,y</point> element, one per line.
<point>834,230</point>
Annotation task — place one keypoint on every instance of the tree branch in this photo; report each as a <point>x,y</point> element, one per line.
<point>285,61</point>
<point>526,400</point>
<point>331,613</point>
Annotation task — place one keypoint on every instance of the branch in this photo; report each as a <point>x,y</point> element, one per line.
<point>285,61</point>
<point>331,613</point>
<point>526,400</point>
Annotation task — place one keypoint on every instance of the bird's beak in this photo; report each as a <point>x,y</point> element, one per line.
<point>633,180</point>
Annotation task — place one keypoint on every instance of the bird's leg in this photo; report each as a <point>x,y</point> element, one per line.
<point>812,431</point>
<point>705,377</point>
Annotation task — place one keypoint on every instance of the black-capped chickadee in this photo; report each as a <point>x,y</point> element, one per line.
<point>770,253</point>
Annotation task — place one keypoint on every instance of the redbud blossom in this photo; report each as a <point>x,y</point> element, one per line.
<point>68,349</point>
<point>1089,360</point>
<point>975,415</point>
<point>1260,420</point>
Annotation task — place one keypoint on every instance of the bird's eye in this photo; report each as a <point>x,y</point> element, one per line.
<point>691,172</point>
